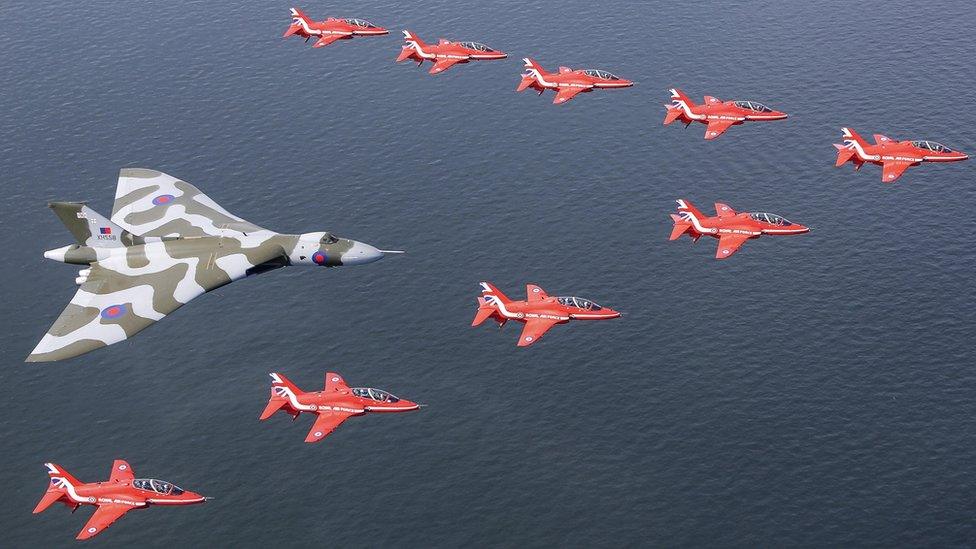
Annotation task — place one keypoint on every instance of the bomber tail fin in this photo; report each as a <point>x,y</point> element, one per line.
<point>90,228</point>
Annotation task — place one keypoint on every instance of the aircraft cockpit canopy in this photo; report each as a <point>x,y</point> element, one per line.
<point>596,73</point>
<point>579,302</point>
<point>752,106</point>
<point>158,486</point>
<point>475,46</point>
<point>932,146</point>
<point>360,23</point>
<point>770,218</point>
<point>329,238</point>
<point>374,394</point>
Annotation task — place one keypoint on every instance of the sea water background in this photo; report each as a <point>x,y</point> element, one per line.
<point>812,391</point>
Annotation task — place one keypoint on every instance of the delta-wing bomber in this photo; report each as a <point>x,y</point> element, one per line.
<point>165,244</point>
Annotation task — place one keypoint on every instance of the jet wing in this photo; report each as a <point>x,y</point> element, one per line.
<point>565,94</point>
<point>121,472</point>
<point>534,329</point>
<point>534,293</point>
<point>118,300</point>
<point>335,383</point>
<point>728,244</point>
<point>104,516</point>
<point>892,169</point>
<point>717,127</point>
<point>443,64</point>
<point>327,39</point>
<point>724,210</point>
<point>151,203</point>
<point>325,424</point>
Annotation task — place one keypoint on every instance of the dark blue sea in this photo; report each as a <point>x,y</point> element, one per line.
<point>812,391</point>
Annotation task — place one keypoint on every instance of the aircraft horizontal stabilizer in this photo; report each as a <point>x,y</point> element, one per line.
<point>484,312</point>
<point>680,226</point>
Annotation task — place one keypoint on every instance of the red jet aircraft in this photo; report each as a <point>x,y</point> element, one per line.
<point>538,312</point>
<point>718,115</point>
<point>331,29</point>
<point>568,82</point>
<point>731,229</point>
<point>333,404</point>
<point>445,54</point>
<point>113,498</point>
<point>894,156</point>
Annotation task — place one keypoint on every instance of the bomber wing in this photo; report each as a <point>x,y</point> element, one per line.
<point>534,329</point>
<point>104,516</point>
<point>325,424</point>
<point>728,244</point>
<point>119,300</point>
<point>892,169</point>
<point>152,203</point>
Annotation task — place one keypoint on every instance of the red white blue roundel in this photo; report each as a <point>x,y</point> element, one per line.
<point>320,258</point>
<point>114,311</point>
<point>163,199</point>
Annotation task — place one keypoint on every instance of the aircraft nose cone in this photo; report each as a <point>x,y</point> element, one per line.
<point>361,254</point>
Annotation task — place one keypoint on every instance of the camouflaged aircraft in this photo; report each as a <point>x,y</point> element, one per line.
<point>165,244</point>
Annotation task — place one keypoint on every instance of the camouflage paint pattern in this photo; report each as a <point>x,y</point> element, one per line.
<point>165,244</point>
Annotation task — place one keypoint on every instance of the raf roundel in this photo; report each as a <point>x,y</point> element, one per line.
<point>163,199</point>
<point>320,258</point>
<point>113,311</point>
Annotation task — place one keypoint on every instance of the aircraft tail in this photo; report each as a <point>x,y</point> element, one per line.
<point>281,389</point>
<point>681,226</point>
<point>848,151</point>
<point>297,20</point>
<point>685,207</point>
<point>678,96</point>
<point>844,154</point>
<point>485,311</point>
<point>488,303</point>
<point>673,114</point>
<point>90,228</point>
<point>57,487</point>
<point>411,47</point>
<point>852,136</point>
<point>533,73</point>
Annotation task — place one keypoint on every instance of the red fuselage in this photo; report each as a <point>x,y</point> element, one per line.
<point>335,403</point>
<point>567,83</point>
<point>114,497</point>
<point>539,312</point>
<point>445,54</point>
<point>731,228</point>
<point>330,30</point>
<point>718,115</point>
<point>893,156</point>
